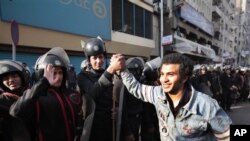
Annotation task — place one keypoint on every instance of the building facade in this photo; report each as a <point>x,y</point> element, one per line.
<point>127,26</point>
<point>207,30</point>
<point>245,52</point>
<point>191,29</point>
<point>229,19</point>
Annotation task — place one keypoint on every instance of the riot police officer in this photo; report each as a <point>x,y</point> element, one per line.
<point>13,81</point>
<point>49,109</point>
<point>97,83</point>
<point>150,124</point>
<point>132,107</point>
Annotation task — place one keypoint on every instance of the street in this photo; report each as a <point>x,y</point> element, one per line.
<point>240,114</point>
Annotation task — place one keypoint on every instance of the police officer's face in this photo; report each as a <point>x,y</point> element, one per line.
<point>97,61</point>
<point>170,78</point>
<point>58,77</point>
<point>12,81</point>
<point>203,71</point>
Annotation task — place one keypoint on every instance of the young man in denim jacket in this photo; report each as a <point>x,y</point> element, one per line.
<point>183,112</point>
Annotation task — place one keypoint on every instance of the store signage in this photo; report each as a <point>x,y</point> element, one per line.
<point>166,40</point>
<point>82,17</point>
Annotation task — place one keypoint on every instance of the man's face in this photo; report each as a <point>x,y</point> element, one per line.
<point>12,81</point>
<point>58,76</point>
<point>170,78</point>
<point>203,71</point>
<point>97,61</point>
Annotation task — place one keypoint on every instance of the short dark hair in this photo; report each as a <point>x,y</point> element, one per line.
<point>186,64</point>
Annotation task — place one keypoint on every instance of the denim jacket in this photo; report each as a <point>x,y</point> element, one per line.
<point>201,119</point>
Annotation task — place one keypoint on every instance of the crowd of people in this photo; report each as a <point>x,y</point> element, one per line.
<point>126,100</point>
<point>228,85</point>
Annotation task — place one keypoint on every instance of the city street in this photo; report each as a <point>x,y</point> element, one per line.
<point>240,114</point>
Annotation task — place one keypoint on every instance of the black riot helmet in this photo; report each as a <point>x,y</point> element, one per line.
<point>94,46</point>
<point>151,71</point>
<point>135,66</point>
<point>57,57</point>
<point>8,67</point>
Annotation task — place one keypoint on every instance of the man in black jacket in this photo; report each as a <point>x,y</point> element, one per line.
<point>97,82</point>
<point>14,80</point>
<point>49,109</point>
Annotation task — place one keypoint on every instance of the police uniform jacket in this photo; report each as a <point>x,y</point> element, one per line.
<point>97,84</point>
<point>11,129</point>
<point>49,114</point>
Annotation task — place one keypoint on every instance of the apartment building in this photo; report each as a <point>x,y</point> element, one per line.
<point>229,19</point>
<point>192,29</point>
<point>245,53</point>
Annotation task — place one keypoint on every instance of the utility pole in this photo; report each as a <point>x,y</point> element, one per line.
<point>161,30</point>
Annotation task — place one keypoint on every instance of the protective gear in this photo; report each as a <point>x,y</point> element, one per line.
<point>56,56</point>
<point>135,63</point>
<point>9,66</point>
<point>84,65</point>
<point>94,46</point>
<point>227,67</point>
<point>51,59</point>
<point>150,72</point>
<point>135,66</point>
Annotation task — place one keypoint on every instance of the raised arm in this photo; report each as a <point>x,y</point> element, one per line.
<point>144,92</point>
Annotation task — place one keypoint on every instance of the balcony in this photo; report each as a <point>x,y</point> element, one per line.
<point>217,13</point>
<point>217,26</point>
<point>218,43</point>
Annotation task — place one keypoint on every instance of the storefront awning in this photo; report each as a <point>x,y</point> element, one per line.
<point>185,46</point>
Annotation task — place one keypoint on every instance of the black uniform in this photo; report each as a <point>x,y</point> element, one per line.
<point>227,83</point>
<point>11,128</point>
<point>49,113</point>
<point>98,85</point>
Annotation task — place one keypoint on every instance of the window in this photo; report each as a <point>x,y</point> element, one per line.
<point>139,18</point>
<point>148,25</point>
<point>128,17</point>
<point>116,22</point>
<point>132,19</point>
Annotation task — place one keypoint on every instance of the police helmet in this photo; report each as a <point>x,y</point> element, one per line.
<point>150,71</point>
<point>57,57</point>
<point>135,63</point>
<point>50,59</point>
<point>135,66</point>
<point>84,65</point>
<point>94,46</point>
<point>9,66</point>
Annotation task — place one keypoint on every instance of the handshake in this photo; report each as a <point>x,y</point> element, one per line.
<point>117,64</point>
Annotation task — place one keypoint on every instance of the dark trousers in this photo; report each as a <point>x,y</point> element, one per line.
<point>101,129</point>
<point>227,100</point>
